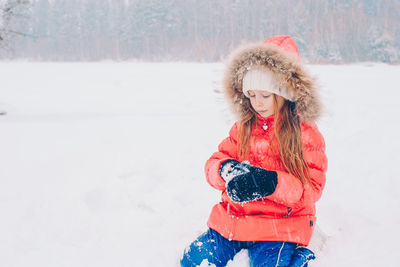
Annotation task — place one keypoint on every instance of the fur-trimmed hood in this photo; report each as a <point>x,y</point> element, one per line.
<point>279,55</point>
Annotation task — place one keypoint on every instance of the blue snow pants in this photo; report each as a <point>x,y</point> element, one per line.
<point>218,250</point>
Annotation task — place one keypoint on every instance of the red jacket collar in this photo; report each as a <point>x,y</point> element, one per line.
<point>263,124</point>
<point>267,119</point>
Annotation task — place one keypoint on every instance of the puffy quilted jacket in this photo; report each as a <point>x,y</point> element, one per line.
<point>286,215</point>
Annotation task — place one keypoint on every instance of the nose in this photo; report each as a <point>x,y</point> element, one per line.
<point>258,102</point>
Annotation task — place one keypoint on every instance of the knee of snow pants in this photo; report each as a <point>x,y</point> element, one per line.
<point>278,253</point>
<point>210,247</point>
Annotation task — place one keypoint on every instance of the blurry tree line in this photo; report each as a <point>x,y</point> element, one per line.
<point>10,11</point>
<point>336,31</point>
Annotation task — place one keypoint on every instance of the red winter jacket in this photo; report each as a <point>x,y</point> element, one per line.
<point>286,215</point>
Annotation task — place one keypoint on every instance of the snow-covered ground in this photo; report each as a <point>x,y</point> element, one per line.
<point>102,163</point>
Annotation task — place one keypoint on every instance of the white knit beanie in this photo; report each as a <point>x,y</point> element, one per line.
<point>260,79</point>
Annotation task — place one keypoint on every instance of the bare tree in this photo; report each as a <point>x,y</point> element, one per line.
<point>9,11</point>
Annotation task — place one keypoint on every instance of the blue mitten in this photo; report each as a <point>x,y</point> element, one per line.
<point>251,185</point>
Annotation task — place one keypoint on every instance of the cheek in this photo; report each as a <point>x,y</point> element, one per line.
<point>269,103</point>
<point>252,102</point>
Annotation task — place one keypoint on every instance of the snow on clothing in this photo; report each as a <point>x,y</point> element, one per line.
<point>286,215</point>
<point>218,250</point>
<point>289,213</point>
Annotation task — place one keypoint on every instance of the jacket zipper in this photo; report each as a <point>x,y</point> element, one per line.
<point>289,211</point>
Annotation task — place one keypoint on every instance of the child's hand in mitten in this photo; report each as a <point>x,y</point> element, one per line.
<point>252,185</point>
<point>232,168</point>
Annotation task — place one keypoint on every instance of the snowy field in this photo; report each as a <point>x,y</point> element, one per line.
<point>102,163</point>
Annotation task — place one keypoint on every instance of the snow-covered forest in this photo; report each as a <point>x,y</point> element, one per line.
<point>332,31</point>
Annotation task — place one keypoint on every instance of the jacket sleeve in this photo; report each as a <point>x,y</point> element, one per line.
<point>227,149</point>
<point>289,190</point>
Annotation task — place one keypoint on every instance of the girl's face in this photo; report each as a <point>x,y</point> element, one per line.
<point>263,102</point>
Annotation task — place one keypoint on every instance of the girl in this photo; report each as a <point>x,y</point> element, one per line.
<point>271,169</point>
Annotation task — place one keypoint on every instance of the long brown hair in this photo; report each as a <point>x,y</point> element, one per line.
<point>287,137</point>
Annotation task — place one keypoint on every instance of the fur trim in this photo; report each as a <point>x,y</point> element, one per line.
<point>289,70</point>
